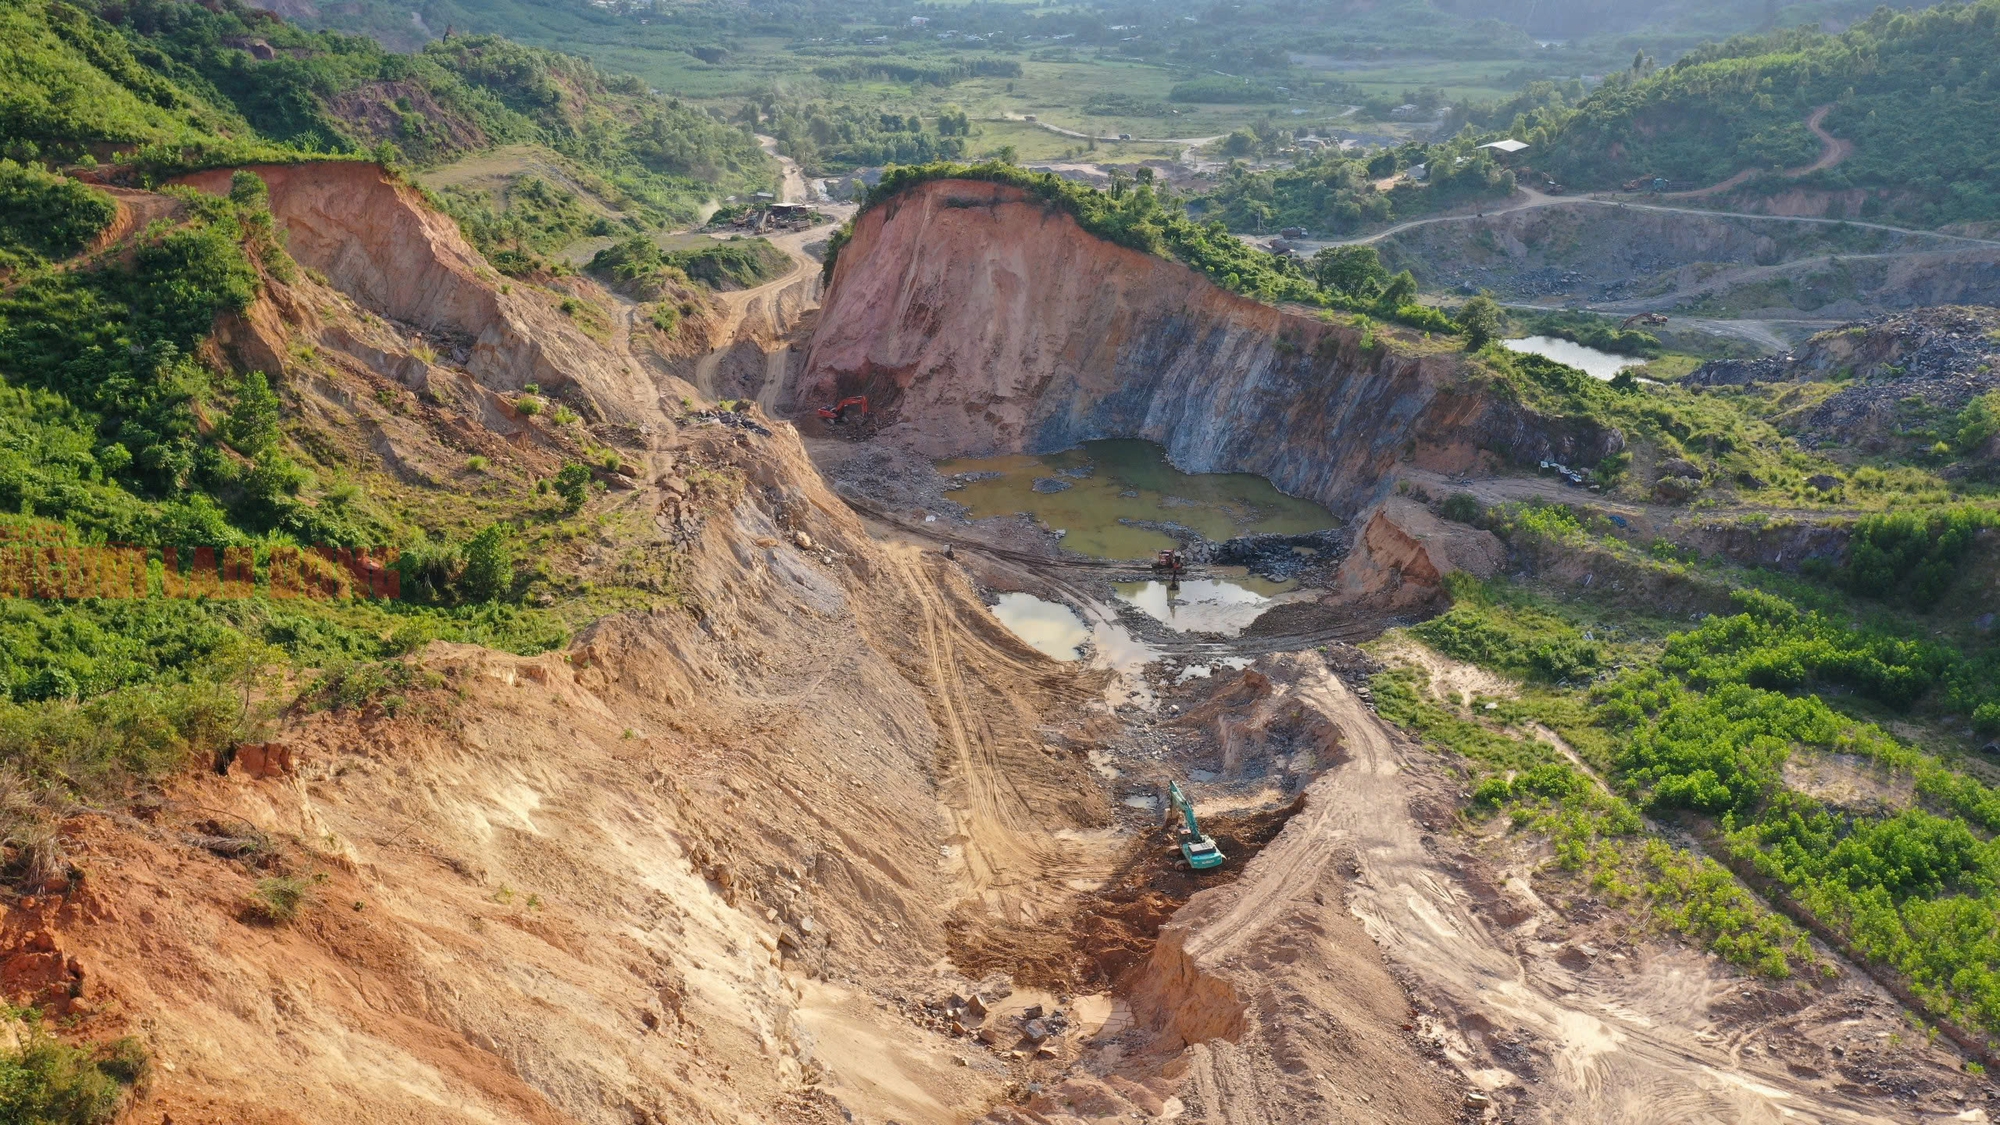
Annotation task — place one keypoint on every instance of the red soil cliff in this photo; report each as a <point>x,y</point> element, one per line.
<point>983,321</point>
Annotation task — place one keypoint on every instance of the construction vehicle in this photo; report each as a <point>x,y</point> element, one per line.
<point>837,413</point>
<point>1654,320</point>
<point>1173,565</point>
<point>1199,850</point>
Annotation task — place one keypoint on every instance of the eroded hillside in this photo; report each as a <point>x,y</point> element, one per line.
<point>729,798</point>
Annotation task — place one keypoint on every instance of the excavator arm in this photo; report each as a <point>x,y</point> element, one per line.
<point>1199,850</point>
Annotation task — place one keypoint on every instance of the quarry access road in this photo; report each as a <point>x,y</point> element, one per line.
<point>1527,199</point>
<point>1833,151</point>
<point>743,306</point>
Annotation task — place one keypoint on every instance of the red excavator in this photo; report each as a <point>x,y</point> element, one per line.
<point>1174,565</point>
<point>837,413</point>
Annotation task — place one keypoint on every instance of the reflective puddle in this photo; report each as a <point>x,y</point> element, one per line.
<point>1590,361</point>
<point>1049,628</point>
<point>1104,495</point>
<point>1204,605</point>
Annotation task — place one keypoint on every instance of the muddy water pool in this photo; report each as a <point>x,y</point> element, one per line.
<point>1225,605</point>
<point>1590,361</point>
<point>1050,628</point>
<point>1110,499</point>
<point>1104,494</point>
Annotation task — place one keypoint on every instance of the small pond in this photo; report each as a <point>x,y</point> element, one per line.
<point>1050,628</point>
<point>1102,495</point>
<point>1224,605</point>
<point>1590,361</point>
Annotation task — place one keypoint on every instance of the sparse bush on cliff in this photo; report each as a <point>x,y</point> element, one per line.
<point>278,899</point>
<point>1462,507</point>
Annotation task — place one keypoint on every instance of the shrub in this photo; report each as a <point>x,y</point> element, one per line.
<point>1462,507</point>
<point>51,1083</point>
<point>278,899</point>
<point>48,215</point>
<point>252,424</point>
<point>529,405</point>
<point>1479,319</point>
<point>1978,422</point>
<point>1913,555</point>
<point>489,565</point>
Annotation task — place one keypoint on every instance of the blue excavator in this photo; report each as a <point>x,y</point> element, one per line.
<point>1199,850</point>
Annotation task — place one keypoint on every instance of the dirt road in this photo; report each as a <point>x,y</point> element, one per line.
<point>776,301</point>
<point>1833,150</point>
<point>1113,139</point>
<point>1632,1044</point>
<point>791,181</point>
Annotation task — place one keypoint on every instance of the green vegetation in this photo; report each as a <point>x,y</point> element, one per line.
<point>1912,555</point>
<point>46,216</point>
<point>1699,724</point>
<point>1596,835</point>
<point>278,899</point>
<point>1334,193</point>
<point>1225,91</point>
<point>113,430</point>
<point>838,138</point>
<point>49,1082</point>
<point>166,86</point>
<point>1904,87</point>
<point>640,266</point>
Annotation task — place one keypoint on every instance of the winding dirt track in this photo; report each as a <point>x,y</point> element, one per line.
<point>743,305</point>
<point>1833,152</point>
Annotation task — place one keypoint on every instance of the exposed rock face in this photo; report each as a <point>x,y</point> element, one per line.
<point>1403,553</point>
<point>375,241</point>
<point>979,321</point>
<point>1941,357</point>
<point>1939,342</point>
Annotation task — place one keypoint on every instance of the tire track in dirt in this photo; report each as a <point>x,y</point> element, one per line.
<point>1628,1057</point>
<point>1011,860</point>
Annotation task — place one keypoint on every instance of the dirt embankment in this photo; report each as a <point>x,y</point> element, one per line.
<point>659,876</point>
<point>979,321</point>
<point>374,240</point>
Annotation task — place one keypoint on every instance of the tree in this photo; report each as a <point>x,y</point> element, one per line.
<point>573,483</point>
<point>1241,142</point>
<point>1480,321</point>
<point>1354,270</point>
<point>489,564</point>
<point>252,425</point>
<point>1398,291</point>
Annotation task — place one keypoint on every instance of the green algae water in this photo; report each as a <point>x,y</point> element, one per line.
<point>1102,494</point>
